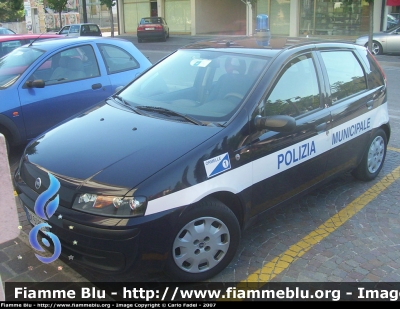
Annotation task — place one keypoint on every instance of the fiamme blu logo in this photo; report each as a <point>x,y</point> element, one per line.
<point>44,208</point>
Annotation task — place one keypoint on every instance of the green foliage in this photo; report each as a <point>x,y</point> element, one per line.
<point>58,6</point>
<point>108,3</point>
<point>11,10</point>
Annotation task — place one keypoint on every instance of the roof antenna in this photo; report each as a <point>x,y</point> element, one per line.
<point>34,40</point>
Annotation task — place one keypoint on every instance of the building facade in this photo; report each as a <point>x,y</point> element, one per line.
<point>286,17</point>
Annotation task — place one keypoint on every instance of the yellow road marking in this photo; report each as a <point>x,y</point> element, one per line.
<point>394,149</point>
<point>273,268</point>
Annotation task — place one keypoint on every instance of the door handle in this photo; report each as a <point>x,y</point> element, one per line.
<point>370,104</point>
<point>96,86</point>
<point>321,127</point>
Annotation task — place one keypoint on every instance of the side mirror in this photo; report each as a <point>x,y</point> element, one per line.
<point>279,123</point>
<point>118,89</point>
<point>37,83</point>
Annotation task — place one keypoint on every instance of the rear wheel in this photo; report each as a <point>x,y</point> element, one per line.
<point>373,158</point>
<point>164,38</point>
<point>205,241</point>
<point>376,48</point>
<point>139,40</point>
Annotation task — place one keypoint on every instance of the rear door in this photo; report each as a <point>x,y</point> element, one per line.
<point>121,66</point>
<point>68,90</point>
<point>351,104</point>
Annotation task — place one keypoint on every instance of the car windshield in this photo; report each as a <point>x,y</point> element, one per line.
<point>208,86</point>
<point>15,63</point>
<point>395,28</point>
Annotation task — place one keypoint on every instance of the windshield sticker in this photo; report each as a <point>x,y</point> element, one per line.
<point>200,62</point>
<point>217,165</point>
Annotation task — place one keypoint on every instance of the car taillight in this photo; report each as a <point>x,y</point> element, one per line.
<point>158,27</point>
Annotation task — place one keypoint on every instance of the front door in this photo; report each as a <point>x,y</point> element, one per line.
<point>286,164</point>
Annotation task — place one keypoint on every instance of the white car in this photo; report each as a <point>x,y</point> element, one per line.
<point>382,42</point>
<point>80,30</point>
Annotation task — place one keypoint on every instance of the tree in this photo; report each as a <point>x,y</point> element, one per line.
<point>109,4</point>
<point>371,23</point>
<point>58,6</point>
<point>11,10</point>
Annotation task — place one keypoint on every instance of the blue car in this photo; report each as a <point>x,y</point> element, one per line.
<point>46,82</point>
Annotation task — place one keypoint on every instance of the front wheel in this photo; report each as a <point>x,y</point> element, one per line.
<point>373,158</point>
<point>205,242</point>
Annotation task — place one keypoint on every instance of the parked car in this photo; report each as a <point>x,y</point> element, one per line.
<point>395,15</point>
<point>391,21</point>
<point>173,167</point>
<point>11,42</point>
<point>152,28</point>
<point>85,29</point>
<point>48,81</point>
<point>382,42</point>
<point>6,31</point>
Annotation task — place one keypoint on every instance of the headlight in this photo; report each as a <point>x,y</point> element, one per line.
<point>111,206</point>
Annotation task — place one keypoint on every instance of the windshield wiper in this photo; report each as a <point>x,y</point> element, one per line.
<point>165,111</point>
<point>122,100</point>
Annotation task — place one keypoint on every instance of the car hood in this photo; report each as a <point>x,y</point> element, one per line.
<point>109,145</point>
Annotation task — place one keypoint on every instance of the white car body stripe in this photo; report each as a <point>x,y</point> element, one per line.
<point>243,177</point>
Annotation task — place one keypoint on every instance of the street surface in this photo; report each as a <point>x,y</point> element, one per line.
<point>346,231</point>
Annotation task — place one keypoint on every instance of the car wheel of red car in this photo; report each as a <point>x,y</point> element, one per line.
<point>139,40</point>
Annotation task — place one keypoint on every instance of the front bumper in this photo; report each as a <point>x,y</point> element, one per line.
<point>107,245</point>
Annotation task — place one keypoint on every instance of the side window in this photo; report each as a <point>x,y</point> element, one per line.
<point>90,64</point>
<point>64,30</point>
<point>74,29</point>
<point>68,65</point>
<point>296,92</point>
<point>117,59</point>
<point>346,76</point>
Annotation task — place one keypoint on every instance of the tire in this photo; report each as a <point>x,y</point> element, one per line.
<point>164,38</point>
<point>373,158</point>
<point>204,242</point>
<point>376,48</point>
<point>139,40</point>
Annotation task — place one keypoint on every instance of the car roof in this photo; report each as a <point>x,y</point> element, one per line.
<point>54,44</point>
<point>258,45</point>
<point>11,37</point>
<point>82,24</point>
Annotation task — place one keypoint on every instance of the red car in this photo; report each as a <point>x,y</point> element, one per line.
<point>12,41</point>
<point>152,28</point>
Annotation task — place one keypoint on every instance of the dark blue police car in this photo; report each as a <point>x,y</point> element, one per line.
<point>178,163</point>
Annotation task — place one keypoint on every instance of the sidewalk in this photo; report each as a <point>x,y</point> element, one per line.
<point>8,209</point>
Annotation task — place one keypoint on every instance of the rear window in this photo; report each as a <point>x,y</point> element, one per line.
<point>90,30</point>
<point>6,47</point>
<point>154,20</point>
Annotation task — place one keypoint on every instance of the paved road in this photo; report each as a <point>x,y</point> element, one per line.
<point>346,231</point>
